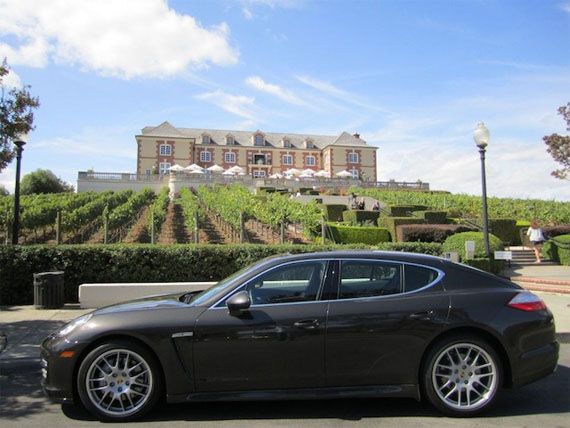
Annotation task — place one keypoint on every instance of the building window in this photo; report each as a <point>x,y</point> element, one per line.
<point>309,144</point>
<point>258,174</point>
<point>205,139</point>
<point>286,143</point>
<point>259,140</point>
<point>230,140</point>
<point>353,158</point>
<point>287,160</point>
<point>310,160</point>
<point>205,156</point>
<point>230,157</point>
<point>164,168</point>
<point>165,150</point>
<point>355,173</point>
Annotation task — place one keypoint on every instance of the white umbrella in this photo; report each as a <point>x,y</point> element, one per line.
<point>215,168</point>
<point>343,174</point>
<point>176,168</point>
<point>236,169</point>
<point>306,176</point>
<point>308,172</point>
<point>228,172</point>
<point>196,171</point>
<point>322,173</point>
<point>293,171</point>
<point>193,167</point>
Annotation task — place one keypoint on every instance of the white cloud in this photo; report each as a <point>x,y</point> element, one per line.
<point>566,7</point>
<point>11,80</point>
<point>247,14</point>
<point>276,90</point>
<point>7,178</point>
<point>127,38</point>
<point>240,105</point>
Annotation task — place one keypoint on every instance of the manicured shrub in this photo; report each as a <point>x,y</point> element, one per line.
<point>358,217</point>
<point>391,223</point>
<point>144,263</point>
<point>504,228</point>
<point>494,266</point>
<point>428,232</point>
<point>405,210</point>
<point>521,228</point>
<point>333,212</point>
<point>432,217</point>
<point>358,234</point>
<point>456,243</point>
<point>558,249</point>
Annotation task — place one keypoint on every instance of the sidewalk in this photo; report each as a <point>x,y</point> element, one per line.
<point>553,278</point>
<point>26,327</point>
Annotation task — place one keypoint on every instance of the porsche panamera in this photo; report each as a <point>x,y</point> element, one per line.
<point>316,325</point>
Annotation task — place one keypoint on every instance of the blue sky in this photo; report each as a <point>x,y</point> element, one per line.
<point>412,77</point>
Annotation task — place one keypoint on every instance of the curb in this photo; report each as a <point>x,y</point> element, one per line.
<point>550,288</point>
<point>541,280</point>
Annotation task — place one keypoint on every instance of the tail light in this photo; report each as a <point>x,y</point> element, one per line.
<point>527,302</point>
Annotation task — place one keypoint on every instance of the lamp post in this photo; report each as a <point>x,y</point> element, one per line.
<point>481,137</point>
<point>19,142</point>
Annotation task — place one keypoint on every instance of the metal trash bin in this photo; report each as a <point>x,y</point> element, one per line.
<point>49,290</point>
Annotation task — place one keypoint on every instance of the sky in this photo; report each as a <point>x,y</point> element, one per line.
<point>411,77</point>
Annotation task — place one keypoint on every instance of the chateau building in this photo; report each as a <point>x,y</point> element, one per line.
<point>259,153</point>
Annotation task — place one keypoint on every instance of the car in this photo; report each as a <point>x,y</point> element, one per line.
<point>316,325</point>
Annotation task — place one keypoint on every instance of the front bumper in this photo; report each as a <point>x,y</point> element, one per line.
<point>536,364</point>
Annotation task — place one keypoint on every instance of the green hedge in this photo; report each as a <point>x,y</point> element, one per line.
<point>405,210</point>
<point>333,212</point>
<point>143,263</point>
<point>494,266</point>
<point>358,234</point>
<point>357,217</point>
<point>432,217</point>
<point>391,223</point>
<point>456,243</point>
<point>520,234</point>
<point>428,232</point>
<point>558,249</point>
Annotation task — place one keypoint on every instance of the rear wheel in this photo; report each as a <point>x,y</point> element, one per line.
<point>463,376</point>
<point>119,380</point>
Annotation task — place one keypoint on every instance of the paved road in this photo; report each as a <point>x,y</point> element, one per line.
<point>542,404</point>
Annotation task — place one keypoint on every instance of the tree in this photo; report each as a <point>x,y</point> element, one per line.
<point>43,181</point>
<point>3,191</point>
<point>16,115</point>
<point>559,146</point>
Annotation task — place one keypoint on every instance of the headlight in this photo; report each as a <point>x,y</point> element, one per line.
<point>74,324</point>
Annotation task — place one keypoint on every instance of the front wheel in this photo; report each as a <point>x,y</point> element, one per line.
<point>119,381</point>
<point>463,376</point>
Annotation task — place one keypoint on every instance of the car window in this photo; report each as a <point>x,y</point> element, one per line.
<point>296,282</point>
<point>416,277</point>
<point>369,278</point>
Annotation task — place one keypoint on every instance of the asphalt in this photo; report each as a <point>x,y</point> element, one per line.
<point>26,327</point>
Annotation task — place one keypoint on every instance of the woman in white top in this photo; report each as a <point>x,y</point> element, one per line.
<point>536,237</point>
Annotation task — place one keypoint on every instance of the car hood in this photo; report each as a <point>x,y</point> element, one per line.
<point>162,301</point>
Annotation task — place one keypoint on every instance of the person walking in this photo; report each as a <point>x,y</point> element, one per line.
<point>536,237</point>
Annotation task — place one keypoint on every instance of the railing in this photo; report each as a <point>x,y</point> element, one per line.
<point>120,176</point>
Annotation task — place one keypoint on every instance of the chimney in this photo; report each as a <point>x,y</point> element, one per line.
<point>356,135</point>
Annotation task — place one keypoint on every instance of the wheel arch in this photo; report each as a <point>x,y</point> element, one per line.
<point>474,331</point>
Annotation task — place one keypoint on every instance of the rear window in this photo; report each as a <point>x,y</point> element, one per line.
<point>416,277</point>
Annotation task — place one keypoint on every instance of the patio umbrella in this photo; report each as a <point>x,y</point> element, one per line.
<point>228,172</point>
<point>305,176</point>
<point>308,172</point>
<point>322,173</point>
<point>236,169</point>
<point>196,171</point>
<point>215,168</point>
<point>176,168</point>
<point>293,171</point>
<point>343,174</point>
<point>193,167</point>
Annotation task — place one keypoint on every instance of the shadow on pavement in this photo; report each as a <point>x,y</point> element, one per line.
<point>548,396</point>
<point>25,337</point>
<point>21,395</point>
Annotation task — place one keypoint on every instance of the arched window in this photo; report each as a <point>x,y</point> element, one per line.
<point>206,139</point>
<point>259,140</point>
<point>230,141</point>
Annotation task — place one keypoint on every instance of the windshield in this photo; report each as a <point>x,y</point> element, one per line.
<point>203,296</point>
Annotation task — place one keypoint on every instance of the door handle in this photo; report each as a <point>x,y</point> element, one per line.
<point>422,316</point>
<point>307,324</point>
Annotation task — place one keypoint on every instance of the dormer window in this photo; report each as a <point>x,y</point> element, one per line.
<point>309,144</point>
<point>259,140</point>
<point>286,142</point>
<point>206,139</point>
<point>230,141</point>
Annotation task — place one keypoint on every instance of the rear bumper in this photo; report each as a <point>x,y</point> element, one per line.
<point>536,364</point>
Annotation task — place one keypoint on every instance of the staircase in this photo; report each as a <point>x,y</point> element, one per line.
<point>524,256</point>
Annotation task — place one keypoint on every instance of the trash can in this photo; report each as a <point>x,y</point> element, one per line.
<point>48,290</point>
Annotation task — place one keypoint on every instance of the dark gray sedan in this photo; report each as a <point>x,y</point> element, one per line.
<point>320,325</point>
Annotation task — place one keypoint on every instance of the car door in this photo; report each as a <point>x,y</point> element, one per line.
<point>278,343</point>
<point>378,326</point>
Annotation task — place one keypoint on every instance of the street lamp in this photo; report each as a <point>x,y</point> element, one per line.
<point>481,137</point>
<point>19,142</point>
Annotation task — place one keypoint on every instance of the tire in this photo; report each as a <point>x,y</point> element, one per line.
<point>119,381</point>
<point>462,387</point>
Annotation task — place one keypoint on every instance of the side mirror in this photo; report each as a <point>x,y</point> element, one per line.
<point>238,303</point>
